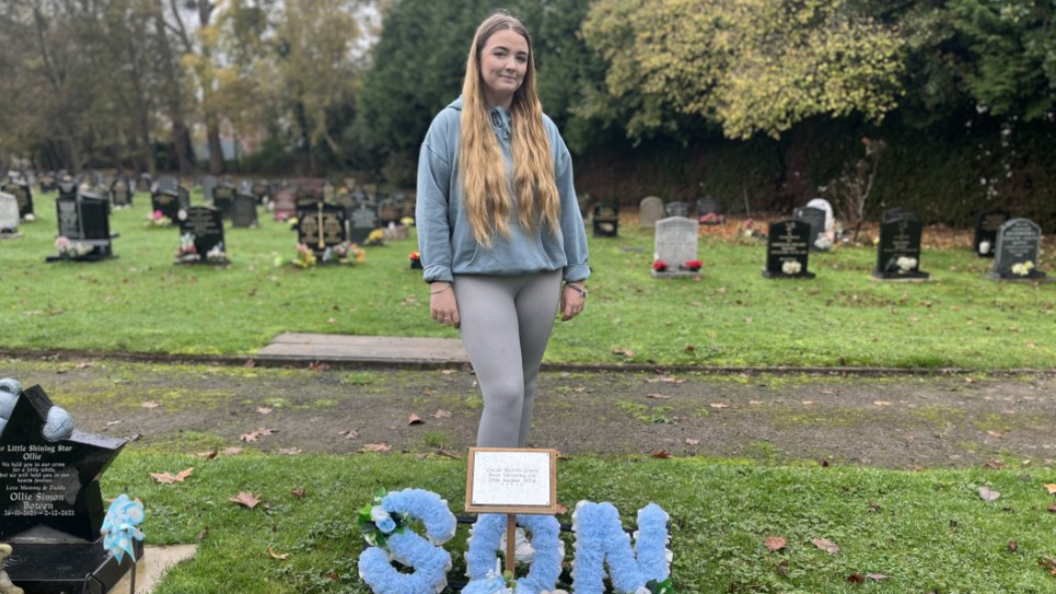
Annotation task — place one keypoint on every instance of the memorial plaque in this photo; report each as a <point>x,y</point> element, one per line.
<point>363,219</point>
<point>285,204</point>
<point>206,224</point>
<point>1018,248</point>
<point>815,217</point>
<point>244,211</point>
<point>675,244</point>
<point>787,250</point>
<point>167,201</point>
<point>321,227</point>
<point>986,228</point>
<point>51,504</point>
<point>223,199</point>
<point>606,220</point>
<point>898,254</point>
<point>677,209</point>
<point>9,216</point>
<point>22,194</point>
<point>511,481</point>
<point>650,210</point>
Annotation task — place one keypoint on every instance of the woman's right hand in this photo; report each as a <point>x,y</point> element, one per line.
<point>442,305</point>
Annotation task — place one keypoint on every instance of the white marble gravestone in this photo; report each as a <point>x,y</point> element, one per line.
<point>675,245</point>
<point>8,216</point>
<point>650,210</point>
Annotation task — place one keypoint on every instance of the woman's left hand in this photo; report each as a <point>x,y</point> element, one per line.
<point>572,303</point>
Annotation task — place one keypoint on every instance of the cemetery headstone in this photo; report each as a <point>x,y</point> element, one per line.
<point>709,211</point>
<point>321,227</point>
<point>209,184</point>
<point>244,211</point>
<point>223,198</point>
<point>677,209</point>
<point>285,203</point>
<point>407,205</point>
<point>121,193</point>
<point>606,220</point>
<point>675,248</point>
<point>362,219</point>
<point>788,250</point>
<point>84,229</point>
<point>986,228</point>
<point>328,192</point>
<point>815,217</point>
<point>167,202</point>
<point>203,228</point>
<point>67,189</point>
<point>185,197</point>
<point>9,216</point>
<point>898,254</point>
<point>344,199</point>
<point>52,505</point>
<point>650,210</point>
<point>259,189</point>
<point>167,182</point>
<point>388,212</point>
<point>1018,248</point>
<point>893,214</point>
<point>48,182</point>
<point>23,195</point>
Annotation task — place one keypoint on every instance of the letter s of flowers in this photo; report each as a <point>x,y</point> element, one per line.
<point>600,539</point>
<point>431,563</point>
<point>549,551</point>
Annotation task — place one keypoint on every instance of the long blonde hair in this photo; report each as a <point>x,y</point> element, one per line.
<point>482,170</point>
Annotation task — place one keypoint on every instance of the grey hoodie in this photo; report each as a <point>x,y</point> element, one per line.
<point>445,238</point>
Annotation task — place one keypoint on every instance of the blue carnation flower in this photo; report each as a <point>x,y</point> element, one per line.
<point>386,525</point>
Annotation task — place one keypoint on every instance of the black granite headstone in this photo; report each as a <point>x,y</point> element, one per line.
<point>986,227</point>
<point>84,219</point>
<point>206,225</point>
<point>51,504</point>
<point>260,190</point>
<point>677,209</point>
<point>787,250</point>
<point>708,205</point>
<point>898,254</point>
<point>606,220</point>
<point>223,199</point>
<point>48,182</point>
<point>362,219</point>
<point>321,227</point>
<point>815,217</point>
<point>1018,248</point>
<point>166,201</point>
<point>244,211</point>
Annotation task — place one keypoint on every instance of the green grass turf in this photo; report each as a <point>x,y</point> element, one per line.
<point>142,302</point>
<point>927,531</point>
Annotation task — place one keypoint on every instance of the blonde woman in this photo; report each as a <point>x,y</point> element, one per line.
<point>499,227</point>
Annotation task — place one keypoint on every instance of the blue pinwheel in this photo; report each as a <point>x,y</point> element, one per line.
<point>119,527</point>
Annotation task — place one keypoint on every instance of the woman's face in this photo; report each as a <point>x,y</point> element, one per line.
<point>503,64</point>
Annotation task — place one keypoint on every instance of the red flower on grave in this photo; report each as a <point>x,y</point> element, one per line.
<point>659,266</point>
<point>694,265</point>
<point>414,256</point>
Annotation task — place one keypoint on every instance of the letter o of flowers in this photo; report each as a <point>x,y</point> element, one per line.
<point>431,563</point>
<point>546,542</point>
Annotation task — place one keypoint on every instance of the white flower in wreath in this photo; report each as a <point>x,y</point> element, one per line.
<point>906,264</point>
<point>791,267</point>
<point>1022,268</point>
<point>984,247</point>
<point>522,548</point>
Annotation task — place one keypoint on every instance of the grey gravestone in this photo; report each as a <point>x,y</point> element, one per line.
<point>650,210</point>
<point>815,217</point>
<point>898,254</point>
<point>223,198</point>
<point>85,219</point>
<point>167,182</point>
<point>343,198</point>
<point>244,211</point>
<point>285,204</point>
<point>52,506</point>
<point>260,190</point>
<point>823,204</point>
<point>606,220</point>
<point>48,182</point>
<point>708,205</point>
<point>1018,242</point>
<point>22,194</point>
<point>167,201</point>
<point>362,219</point>
<point>321,227</point>
<point>9,216</point>
<point>676,245</point>
<point>206,224</point>
<point>388,212</point>
<point>208,185</point>
<point>121,193</point>
<point>986,231</point>
<point>329,193</point>
<point>185,197</point>
<point>788,250</point>
<point>677,209</point>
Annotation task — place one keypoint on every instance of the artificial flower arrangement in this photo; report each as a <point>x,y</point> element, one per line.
<point>712,218</point>
<point>693,265</point>
<point>416,260</point>
<point>409,221</point>
<point>342,253</point>
<point>601,540</point>
<point>158,219</point>
<point>823,242</point>
<point>749,230</point>
<point>659,266</point>
<point>1022,268</point>
<point>305,257</point>
<point>9,228</point>
<point>217,255</point>
<point>187,252</point>
<point>72,249</point>
<point>905,264</point>
<point>293,222</point>
<point>984,247</point>
<point>376,238</point>
<point>791,268</point>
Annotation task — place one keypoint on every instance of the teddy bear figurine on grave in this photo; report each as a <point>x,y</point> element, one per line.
<point>57,427</point>
<point>6,587</point>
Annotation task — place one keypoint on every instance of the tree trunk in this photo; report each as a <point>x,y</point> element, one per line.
<point>173,91</point>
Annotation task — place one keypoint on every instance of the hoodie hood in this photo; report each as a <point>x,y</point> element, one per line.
<point>501,120</point>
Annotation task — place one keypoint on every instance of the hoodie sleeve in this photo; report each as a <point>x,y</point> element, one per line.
<point>571,221</point>
<point>431,212</point>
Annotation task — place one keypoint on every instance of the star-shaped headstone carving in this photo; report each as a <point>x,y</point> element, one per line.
<point>50,485</point>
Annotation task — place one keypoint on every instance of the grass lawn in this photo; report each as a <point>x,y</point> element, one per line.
<point>926,531</point>
<point>142,302</point>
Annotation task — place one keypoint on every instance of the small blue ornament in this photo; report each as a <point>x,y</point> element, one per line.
<point>119,527</point>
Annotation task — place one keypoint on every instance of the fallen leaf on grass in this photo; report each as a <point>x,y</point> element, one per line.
<point>318,366</point>
<point>662,454</point>
<point>447,372</point>
<point>719,405</point>
<point>876,577</point>
<point>333,577</point>
<point>691,441</point>
<point>264,410</point>
<point>994,465</point>
<point>995,434</point>
<point>231,452</point>
<point>290,451</point>
<point>168,479</point>
<point>624,352</point>
<point>775,543</point>
<point>299,493</point>
<point>782,567</point>
<point>665,380</point>
<point>245,499</point>
<point>1051,509</point>
<point>350,434</point>
<point>377,447</point>
<point>1051,487</point>
<point>987,494</point>
<point>1048,563</point>
<point>448,454</point>
<point>881,403</point>
<point>415,420</point>
<point>207,455</point>
<point>201,535</point>
<point>1013,546</point>
<point>150,404</point>
<point>826,545</point>
<point>278,556</point>
<point>657,396</point>
<point>689,348</point>
<point>442,414</point>
<point>251,363</point>
<point>254,435</point>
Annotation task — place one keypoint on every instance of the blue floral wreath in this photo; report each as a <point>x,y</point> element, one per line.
<point>484,542</point>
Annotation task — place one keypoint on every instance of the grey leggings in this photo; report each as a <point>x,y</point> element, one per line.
<point>506,323</point>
